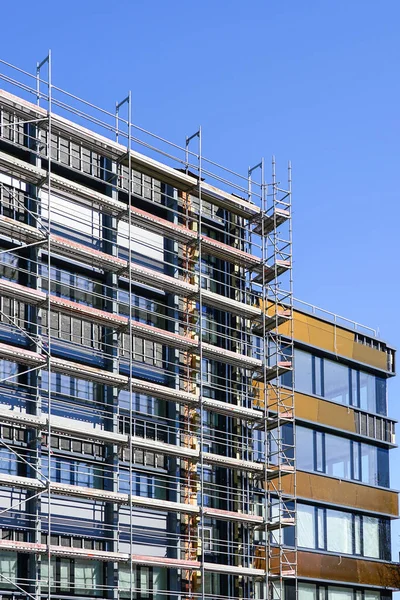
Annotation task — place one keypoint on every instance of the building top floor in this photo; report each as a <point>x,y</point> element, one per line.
<point>346,340</point>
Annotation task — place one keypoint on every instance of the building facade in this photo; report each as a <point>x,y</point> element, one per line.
<point>173,424</point>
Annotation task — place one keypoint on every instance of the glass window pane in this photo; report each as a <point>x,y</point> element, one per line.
<point>144,580</point>
<point>369,595</point>
<point>336,382</point>
<point>87,577</point>
<point>307,591</point>
<point>354,387</point>
<point>84,474</point>
<point>319,445</point>
<point>160,586</point>
<point>339,531</point>
<point>212,584</point>
<point>381,407</point>
<point>44,572</point>
<point>356,460</point>
<point>318,367</point>
<point>321,529</point>
<point>367,392</point>
<point>8,461</point>
<point>8,569</point>
<point>369,464</point>
<point>305,526</point>
<point>339,593</point>
<point>65,575</point>
<point>303,372</point>
<point>64,471</point>
<point>357,534</point>
<point>371,537</point>
<point>124,581</point>
<point>305,448</point>
<point>383,467</point>
<point>337,456</point>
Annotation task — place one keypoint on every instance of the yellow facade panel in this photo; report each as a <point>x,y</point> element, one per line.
<point>345,493</point>
<point>325,412</point>
<point>370,356</point>
<point>348,569</point>
<point>333,338</point>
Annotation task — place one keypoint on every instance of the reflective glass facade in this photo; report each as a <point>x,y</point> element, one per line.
<point>341,457</point>
<point>337,382</point>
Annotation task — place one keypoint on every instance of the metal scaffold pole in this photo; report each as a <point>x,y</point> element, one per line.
<point>292,382</point>
<point>264,348</point>
<point>47,181</point>
<point>128,102</point>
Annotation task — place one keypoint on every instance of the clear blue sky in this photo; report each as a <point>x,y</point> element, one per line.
<point>315,81</point>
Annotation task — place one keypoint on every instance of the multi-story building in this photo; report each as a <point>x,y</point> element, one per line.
<point>173,424</point>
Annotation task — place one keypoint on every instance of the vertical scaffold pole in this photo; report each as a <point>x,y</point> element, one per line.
<point>128,102</point>
<point>264,357</point>
<point>293,372</point>
<point>39,67</point>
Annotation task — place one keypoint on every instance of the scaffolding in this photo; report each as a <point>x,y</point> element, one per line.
<point>142,325</point>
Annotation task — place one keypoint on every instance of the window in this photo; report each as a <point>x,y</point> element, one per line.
<point>8,371</point>
<point>8,462</point>
<point>8,569</point>
<point>370,595</point>
<point>339,531</point>
<point>9,266</point>
<point>342,532</point>
<point>87,576</point>
<point>209,325</point>
<point>310,591</point>
<point>72,472</point>
<point>338,456</point>
<point>62,384</point>
<point>79,576</point>
<point>71,286</point>
<point>160,585</point>
<point>339,593</point>
<point>304,372</point>
<point>143,484</point>
<point>209,491</point>
<point>367,392</point>
<point>338,383</point>
<point>65,576</point>
<point>371,537</point>
<point>306,526</point>
<point>139,581</point>
<point>71,219</point>
<point>305,448</point>
<point>307,591</point>
<point>319,452</point>
<point>212,585</point>
<point>144,243</point>
<point>126,580</point>
<point>369,467</point>
<point>208,538</point>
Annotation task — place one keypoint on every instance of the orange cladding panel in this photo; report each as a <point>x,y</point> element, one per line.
<point>344,493</point>
<point>333,338</point>
<point>324,412</point>
<point>347,569</point>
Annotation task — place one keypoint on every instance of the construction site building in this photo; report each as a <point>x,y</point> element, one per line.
<point>174,424</point>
